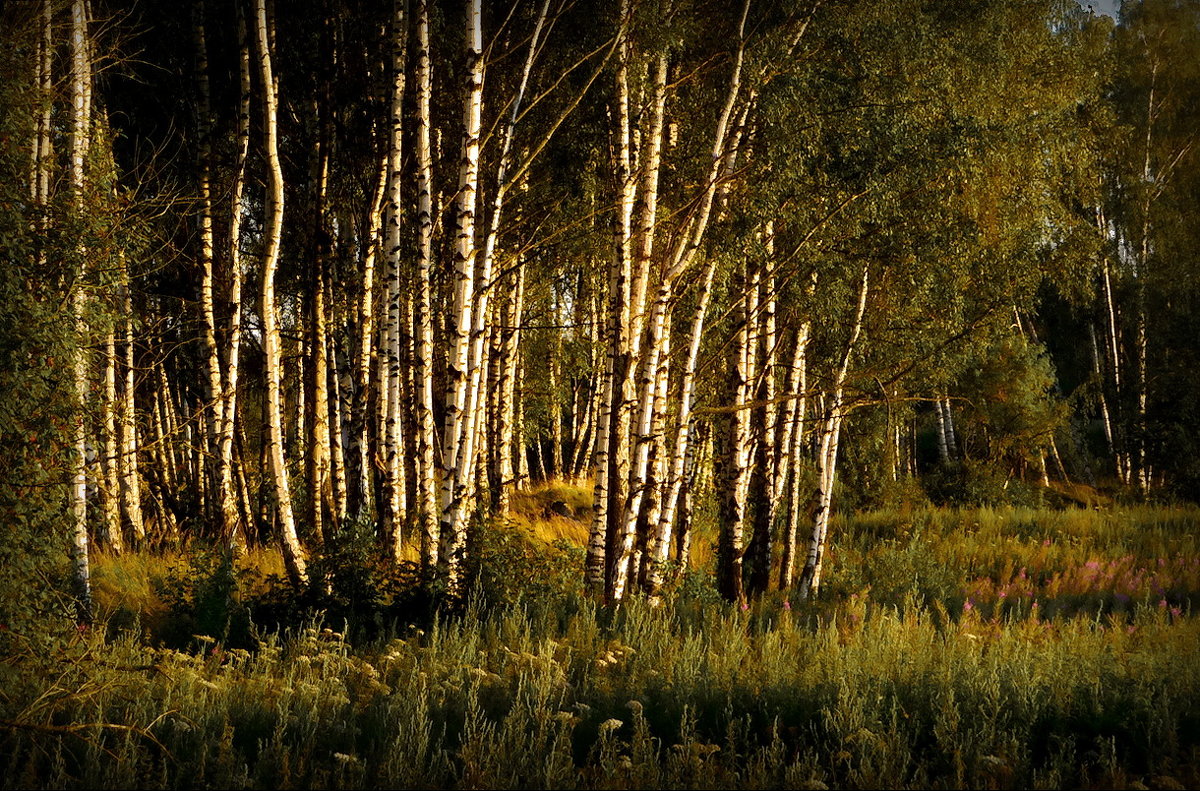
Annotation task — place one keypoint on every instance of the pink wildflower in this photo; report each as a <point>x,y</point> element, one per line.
<point>787,605</point>
<point>968,605</point>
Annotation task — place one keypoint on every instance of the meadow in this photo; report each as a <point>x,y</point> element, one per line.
<point>976,648</point>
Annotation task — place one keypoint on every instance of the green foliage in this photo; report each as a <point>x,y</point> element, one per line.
<point>1008,397</point>
<point>973,482</point>
<point>511,564</point>
<point>204,598</point>
<point>37,406</point>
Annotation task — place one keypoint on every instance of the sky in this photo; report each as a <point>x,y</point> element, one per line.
<point>1108,7</point>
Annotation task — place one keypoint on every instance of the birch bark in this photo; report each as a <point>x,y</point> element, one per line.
<point>230,521</point>
<point>80,139</point>
<point>810,579</point>
<point>294,556</point>
<point>457,458</point>
<point>427,504</point>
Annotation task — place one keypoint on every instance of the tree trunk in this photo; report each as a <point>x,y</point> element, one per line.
<point>131,486</point>
<point>294,556</point>
<point>457,452</point>
<point>794,448</point>
<point>361,480</point>
<point>81,94</point>
<point>213,403</point>
<point>392,515</point>
<point>229,506</point>
<point>427,504</point>
<point>810,579</point>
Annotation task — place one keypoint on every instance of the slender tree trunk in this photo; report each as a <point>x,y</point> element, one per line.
<point>322,508</point>
<point>810,579</point>
<point>230,509</point>
<point>131,487</point>
<point>360,459</point>
<point>1106,419</point>
<point>294,556</point>
<point>683,523</point>
<point>732,438</point>
<point>943,435</point>
<point>611,462</point>
<point>81,78</point>
<point>336,382</point>
<point>763,424</point>
<point>646,364</point>
<point>951,437</point>
<point>508,448</point>
<point>213,403</point>
<point>427,504</point>
<point>457,453</point>
<point>794,448</point>
<point>1142,475</point>
<point>684,452</point>
<point>43,155</point>
<point>110,493</point>
<point>392,437</point>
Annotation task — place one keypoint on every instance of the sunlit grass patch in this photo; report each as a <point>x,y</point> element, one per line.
<point>950,648</point>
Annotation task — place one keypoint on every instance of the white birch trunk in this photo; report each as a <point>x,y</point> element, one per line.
<point>81,78</point>
<point>731,429</point>
<point>648,363</point>
<point>793,447</point>
<point>943,441</point>
<point>660,544</point>
<point>131,487</point>
<point>810,580</point>
<point>361,479</point>
<point>230,511</point>
<point>611,447</point>
<point>427,504</point>
<point>457,453</point>
<point>475,418</point>
<point>208,313</point>
<point>294,556</point>
<point>392,443</point>
<point>111,454</point>
<point>951,438</point>
<point>508,449</point>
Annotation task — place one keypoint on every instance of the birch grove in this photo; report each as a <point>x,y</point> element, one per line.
<point>714,277</point>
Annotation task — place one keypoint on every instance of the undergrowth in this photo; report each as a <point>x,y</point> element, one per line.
<point>984,649</point>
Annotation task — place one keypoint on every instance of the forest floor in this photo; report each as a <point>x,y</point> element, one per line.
<point>981,648</point>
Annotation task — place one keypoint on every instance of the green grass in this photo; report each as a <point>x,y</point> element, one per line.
<point>911,671</point>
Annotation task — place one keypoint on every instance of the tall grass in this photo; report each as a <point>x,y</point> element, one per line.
<point>890,681</point>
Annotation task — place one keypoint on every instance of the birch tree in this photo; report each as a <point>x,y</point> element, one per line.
<point>294,555</point>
